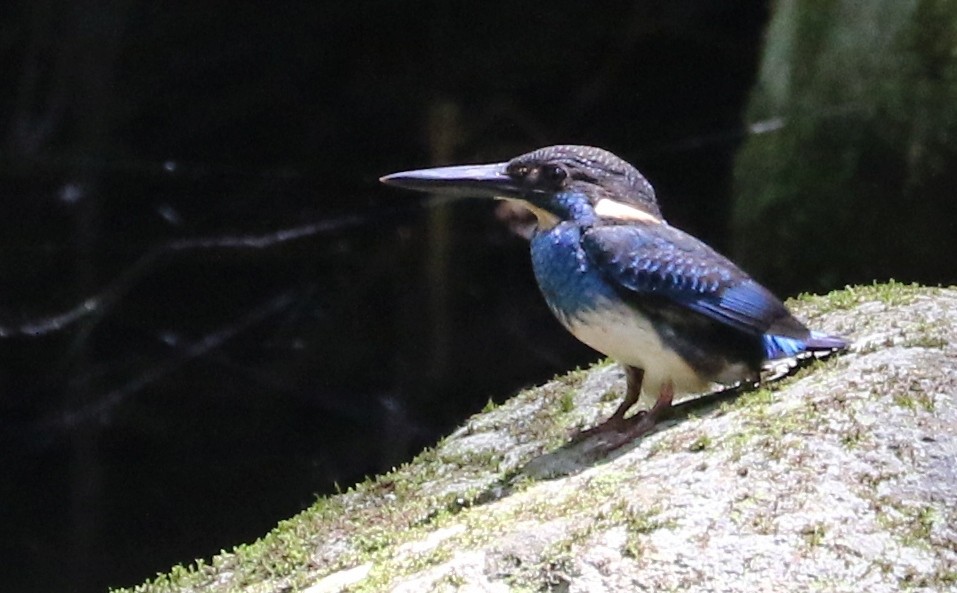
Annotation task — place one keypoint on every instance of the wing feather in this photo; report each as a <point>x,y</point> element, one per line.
<point>657,259</point>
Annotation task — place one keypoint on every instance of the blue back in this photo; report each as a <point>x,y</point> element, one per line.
<point>657,259</point>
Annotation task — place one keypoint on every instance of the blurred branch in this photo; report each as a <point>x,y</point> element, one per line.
<point>101,302</point>
<point>100,407</point>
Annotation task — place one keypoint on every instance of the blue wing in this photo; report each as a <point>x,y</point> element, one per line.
<point>646,259</point>
<point>782,347</point>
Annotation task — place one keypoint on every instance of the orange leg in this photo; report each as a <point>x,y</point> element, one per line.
<point>641,424</point>
<point>616,422</point>
<point>618,430</point>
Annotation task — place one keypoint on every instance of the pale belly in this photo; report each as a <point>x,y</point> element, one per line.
<point>630,339</point>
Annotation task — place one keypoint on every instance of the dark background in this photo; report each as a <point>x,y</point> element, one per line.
<point>211,312</point>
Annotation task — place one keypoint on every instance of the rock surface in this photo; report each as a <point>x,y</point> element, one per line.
<point>842,477</point>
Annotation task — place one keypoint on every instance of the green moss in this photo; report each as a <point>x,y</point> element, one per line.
<point>372,541</point>
<point>754,400</point>
<point>765,428</point>
<point>926,340</point>
<point>911,397</point>
<point>573,378</point>
<point>854,437</point>
<point>566,403</point>
<point>946,576</point>
<point>387,569</point>
<point>890,293</point>
<point>763,523</point>
<point>452,580</point>
<point>640,524</point>
<point>371,523</point>
<point>700,443</point>
<point>557,564</point>
<point>644,522</point>
<point>814,535</point>
<point>489,406</point>
<point>912,525</point>
<point>605,484</point>
<point>920,522</point>
<point>610,396</point>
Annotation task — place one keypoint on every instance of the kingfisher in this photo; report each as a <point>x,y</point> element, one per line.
<point>677,315</point>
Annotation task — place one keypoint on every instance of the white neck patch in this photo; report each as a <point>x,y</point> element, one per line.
<point>608,208</point>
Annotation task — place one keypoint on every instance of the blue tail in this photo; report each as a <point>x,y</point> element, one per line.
<point>776,347</point>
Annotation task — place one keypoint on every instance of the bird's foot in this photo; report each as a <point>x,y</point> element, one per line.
<point>638,425</point>
<point>617,421</point>
<point>619,430</point>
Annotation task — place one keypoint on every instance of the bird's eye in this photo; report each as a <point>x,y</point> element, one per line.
<point>554,174</point>
<point>517,170</point>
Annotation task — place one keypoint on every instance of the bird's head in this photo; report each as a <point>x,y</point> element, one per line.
<point>557,183</point>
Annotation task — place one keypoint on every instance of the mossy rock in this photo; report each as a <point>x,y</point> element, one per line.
<point>839,478</point>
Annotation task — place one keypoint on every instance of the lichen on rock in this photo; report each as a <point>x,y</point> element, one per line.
<point>839,478</point>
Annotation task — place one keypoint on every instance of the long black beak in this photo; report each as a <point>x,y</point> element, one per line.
<point>489,181</point>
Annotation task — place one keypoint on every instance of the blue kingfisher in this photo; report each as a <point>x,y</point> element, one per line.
<point>675,313</point>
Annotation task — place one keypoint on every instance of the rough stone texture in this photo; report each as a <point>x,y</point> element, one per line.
<point>840,478</point>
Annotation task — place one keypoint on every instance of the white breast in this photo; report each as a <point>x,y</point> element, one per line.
<point>622,334</point>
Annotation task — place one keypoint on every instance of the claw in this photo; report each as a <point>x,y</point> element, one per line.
<point>616,422</point>
<point>618,430</point>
